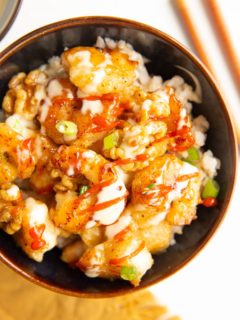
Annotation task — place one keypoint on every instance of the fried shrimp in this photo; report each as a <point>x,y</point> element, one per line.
<point>170,187</point>
<point>104,198</point>
<point>124,255</point>
<point>16,155</point>
<point>96,71</point>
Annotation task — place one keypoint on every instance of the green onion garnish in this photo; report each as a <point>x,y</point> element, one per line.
<point>128,273</point>
<point>68,128</point>
<point>83,189</point>
<point>193,156</point>
<point>151,185</point>
<point>211,189</point>
<point>110,141</point>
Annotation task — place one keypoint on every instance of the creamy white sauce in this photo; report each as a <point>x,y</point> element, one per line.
<point>89,154</point>
<point>98,77</point>
<point>187,168</point>
<point>71,171</point>
<point>82,63</point>
<point>110,214</point>
<point>93,272</point>
<point>142,261</point>
<point>176,193</point>
<point>25,128</point>
<point>126,177</point>
<point>82,59</point>
<point>92,107</point>
<point>117,227</point>
<point>44,109</point>
<point>13,191</point>
<point>85,66</point>
<point>90,224</point>
<point>146,104</point>
<point>130,152</point>
<point>154,221</point>
<point>92,87</point>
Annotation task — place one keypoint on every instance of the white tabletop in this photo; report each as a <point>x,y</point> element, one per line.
<point>208,287</point>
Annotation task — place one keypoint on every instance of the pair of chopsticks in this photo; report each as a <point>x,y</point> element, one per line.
<point>223,36</point>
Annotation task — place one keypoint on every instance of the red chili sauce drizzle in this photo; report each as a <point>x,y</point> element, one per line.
<point>183,138</point>
<point>36,233</point>
<point>209,202</point>
<point>119,261</point>
<point>97,187</point>
<point>24,155</point>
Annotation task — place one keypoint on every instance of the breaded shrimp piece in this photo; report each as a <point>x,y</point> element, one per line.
<point>102,203</point>
<point>171,187</point>
<point>92,116</point>
<point>152,227</point>
<point>37,234</point>
<point>96,71</point>
<point>75,160</point>
<point>111,259</point>
<point>41,179</point>
<point>16,155</point>
<point>72,212</point>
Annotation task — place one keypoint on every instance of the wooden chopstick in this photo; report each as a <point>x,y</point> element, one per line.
<point>192,32</point>
<point>194,36</point>
<point>225,39</point>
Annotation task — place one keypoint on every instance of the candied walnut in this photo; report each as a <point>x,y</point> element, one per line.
<point>21,98</point>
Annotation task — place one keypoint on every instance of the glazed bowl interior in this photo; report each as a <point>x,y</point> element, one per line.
<point>165,55</point>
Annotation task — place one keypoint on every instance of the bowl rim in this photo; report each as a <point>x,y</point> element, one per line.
<point>116,21</point>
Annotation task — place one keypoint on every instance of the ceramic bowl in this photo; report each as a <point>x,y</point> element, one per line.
<point>165,54</point>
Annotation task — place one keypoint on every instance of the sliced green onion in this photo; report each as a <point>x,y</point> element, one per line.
<point>151,185</point>
<point>193,156</point>
<point>83,189</point>
<point>211,189</point>
<point>68,128</point>
<point>128,273</point>
<point>110,141</point>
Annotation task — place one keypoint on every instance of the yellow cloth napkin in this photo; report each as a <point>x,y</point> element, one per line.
<point>22,300</point>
